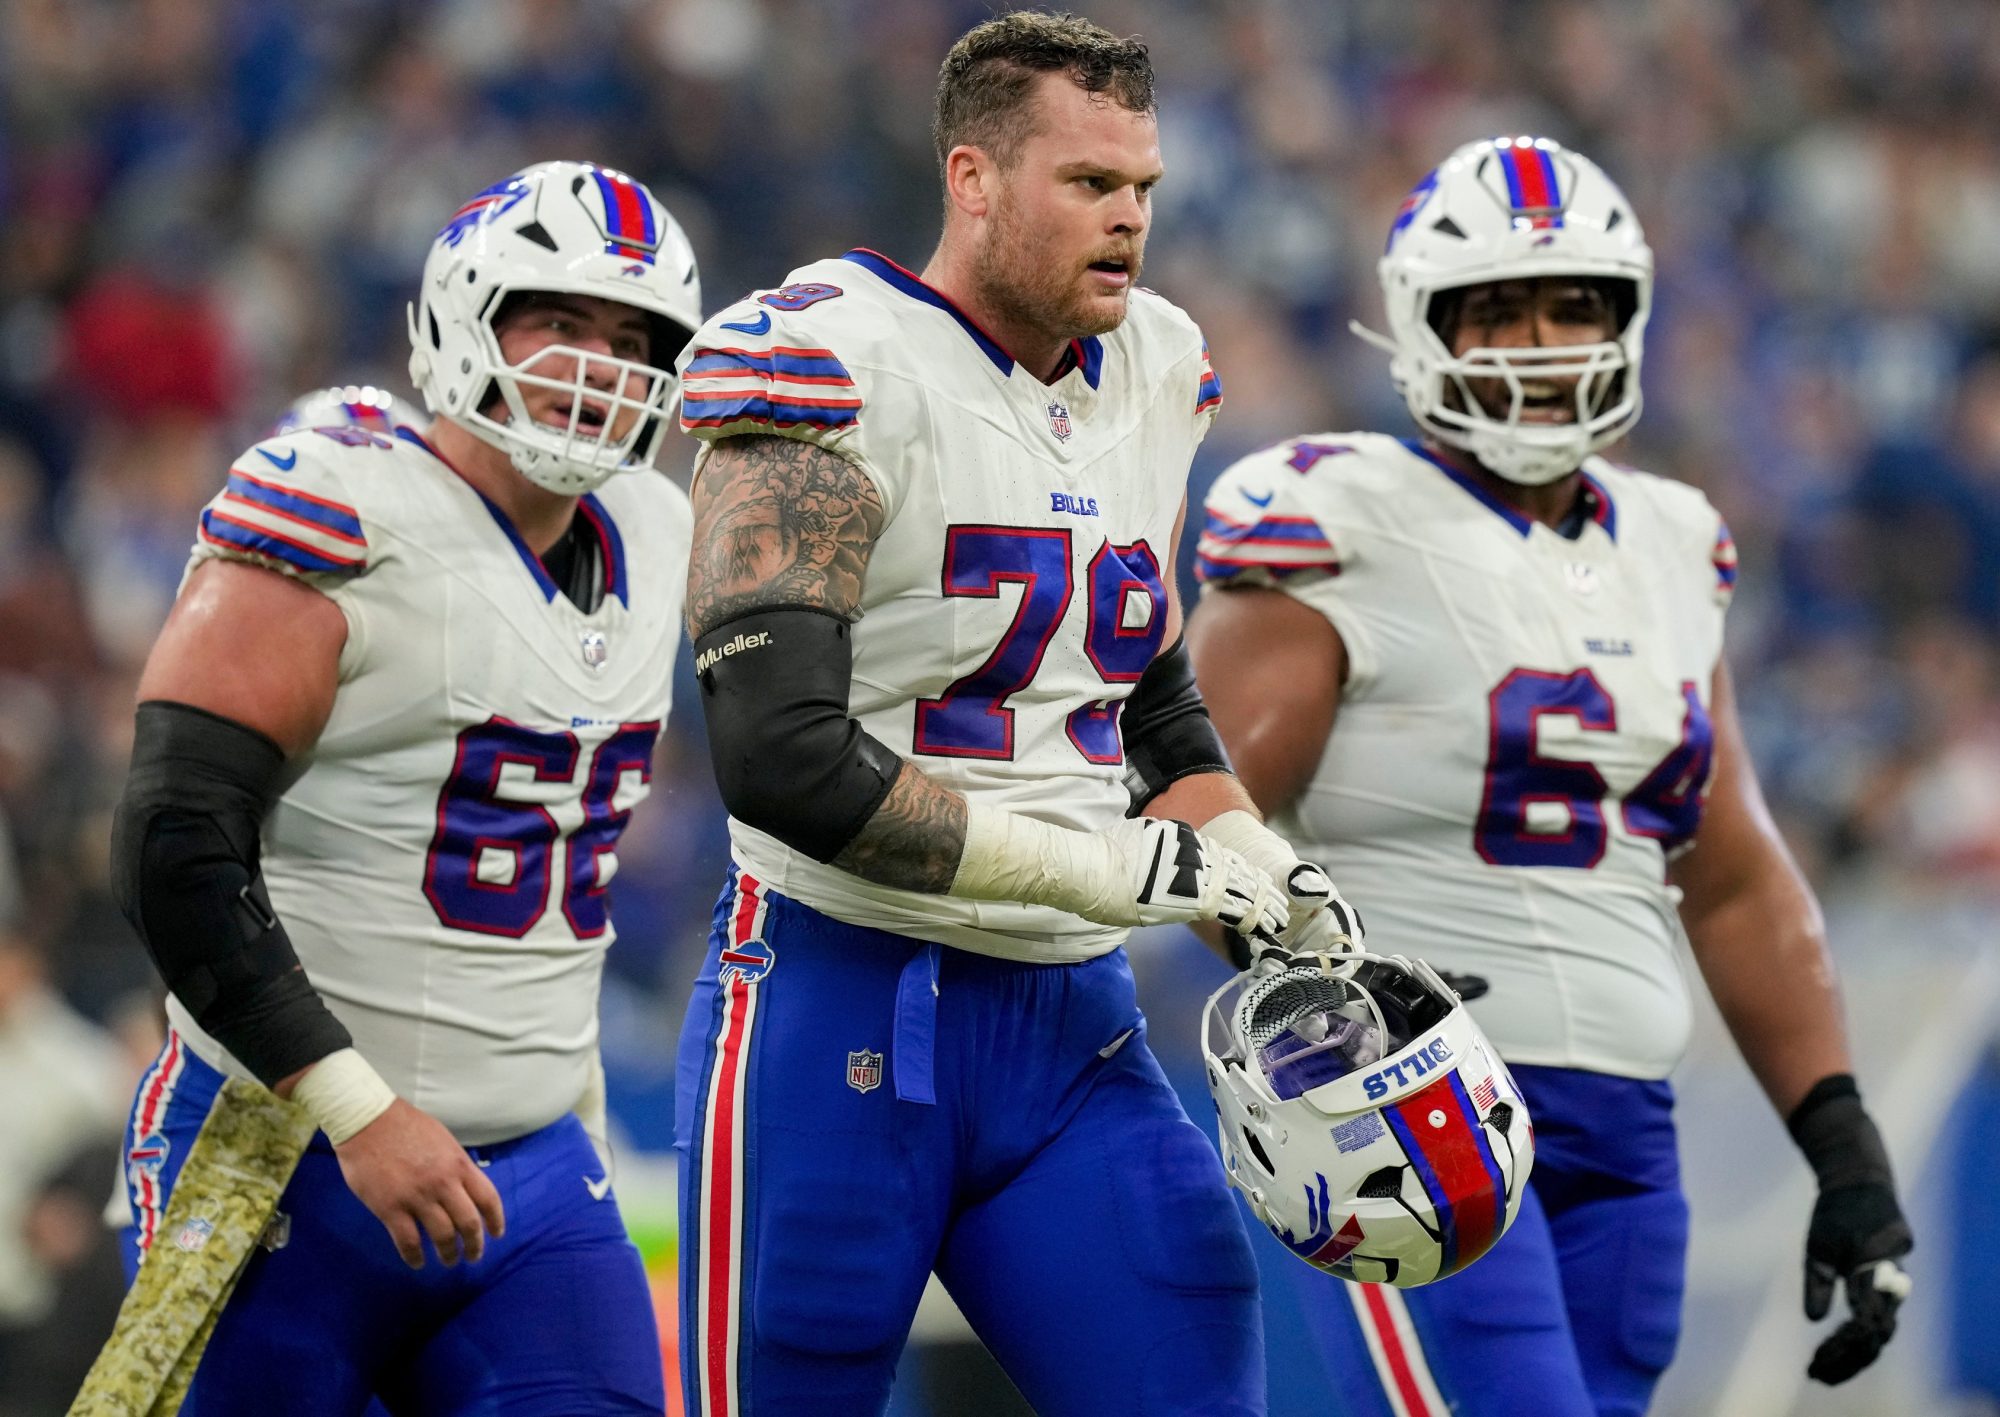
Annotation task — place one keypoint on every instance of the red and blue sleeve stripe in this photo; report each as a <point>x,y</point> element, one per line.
<point>284,524</point>
<point>1533,188</point>
<point>1209,394</point>
<point>628,217</point>
<point>1442,1136</point>
<point>1276,546</point>
<point>782,387</point>
<point>795,366</point>
<point>1725,559</point>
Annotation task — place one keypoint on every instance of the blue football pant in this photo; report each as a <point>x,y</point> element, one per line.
<point>856,1109</point>
<point>1575,1313</point>
<point>556,1317</point>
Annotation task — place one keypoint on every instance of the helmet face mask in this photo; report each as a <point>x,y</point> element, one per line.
<point>1365,1117</point>
<point>558,228</point>
<point>1510,210</point>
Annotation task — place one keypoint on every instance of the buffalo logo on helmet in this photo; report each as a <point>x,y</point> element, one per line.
<point>483,206</point>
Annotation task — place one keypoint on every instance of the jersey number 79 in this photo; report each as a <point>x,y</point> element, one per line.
<point>971,718</point>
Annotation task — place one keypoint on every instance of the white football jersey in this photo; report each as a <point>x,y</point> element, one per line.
<point>1017,591</point>
<point>441,864</point>
<point>1523,738</point>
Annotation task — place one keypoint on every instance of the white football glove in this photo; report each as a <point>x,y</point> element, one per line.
<point>1180,876</point>
<point>1317,919</point>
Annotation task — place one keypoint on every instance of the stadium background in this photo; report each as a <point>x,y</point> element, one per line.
<point>208,207</point>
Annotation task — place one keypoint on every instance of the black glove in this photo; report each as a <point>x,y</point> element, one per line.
<point>1467,986</point>
<point>1858,1231</point>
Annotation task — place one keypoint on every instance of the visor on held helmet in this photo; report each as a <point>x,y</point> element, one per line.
<point>1365,1117</point>
<point>1514,209</point>
<point>557,228</point>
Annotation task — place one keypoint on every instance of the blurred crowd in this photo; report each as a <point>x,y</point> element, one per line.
<point>208,207</point>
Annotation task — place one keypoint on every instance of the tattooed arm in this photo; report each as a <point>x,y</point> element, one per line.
<point>786,525</point>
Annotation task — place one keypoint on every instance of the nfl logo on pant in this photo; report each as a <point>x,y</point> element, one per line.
<point>864,1071</point>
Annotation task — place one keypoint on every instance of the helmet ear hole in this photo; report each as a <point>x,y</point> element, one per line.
<point>1256,1149</point>
<point>1381,1184</point>
<point>1501,1118</point>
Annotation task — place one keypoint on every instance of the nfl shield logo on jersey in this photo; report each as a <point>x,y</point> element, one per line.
<point>864,1071</point>
<point>595,651</point>
<point>1059,420</point>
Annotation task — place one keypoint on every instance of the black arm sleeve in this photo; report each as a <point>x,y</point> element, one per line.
<point>1168,735</point>
<point>788,759</point>
<point>184,849</point>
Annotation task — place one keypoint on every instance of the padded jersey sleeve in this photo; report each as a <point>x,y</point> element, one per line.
<point>289,505</point>
<point>1257,528</point>
<point>1207,396</point>
<point>817,362</point>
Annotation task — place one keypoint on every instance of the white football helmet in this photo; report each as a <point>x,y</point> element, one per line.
<point>349,406</point>
<point>1365,1117</point>
<point>563,227</point>
<point>1515,209</point>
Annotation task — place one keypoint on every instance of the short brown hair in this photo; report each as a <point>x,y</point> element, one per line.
<point>983,88</point>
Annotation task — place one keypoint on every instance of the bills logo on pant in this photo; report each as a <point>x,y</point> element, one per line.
<point>749,961</point>
<point>864,1070</point>
<point>149,1155</point>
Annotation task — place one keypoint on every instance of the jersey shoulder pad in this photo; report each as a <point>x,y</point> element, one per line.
<point>293,503</point>
<point>1691,528</point>
<point>781,361</point>
<point>1164,342</point>
<point>1279,515</point>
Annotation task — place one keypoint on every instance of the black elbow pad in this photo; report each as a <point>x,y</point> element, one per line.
<point>788,759</point>
<point>1167,731</point>
<point>184,869</point>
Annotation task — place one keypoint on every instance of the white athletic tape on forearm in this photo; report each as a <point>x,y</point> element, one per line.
<point>1256,843</point>
<point>1012,857</point>
<point>343,1093</point>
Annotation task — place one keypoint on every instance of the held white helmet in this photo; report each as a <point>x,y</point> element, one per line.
<point>566,228</point>
<point>1515,209</point>
<point>1365,1117</point>
<point>349,406</point>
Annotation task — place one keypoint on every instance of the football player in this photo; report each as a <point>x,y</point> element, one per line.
<point>1483,668</point>
<point>935,635</point>
<point>386,744</point>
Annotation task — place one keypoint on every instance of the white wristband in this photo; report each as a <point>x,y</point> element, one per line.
<point>343,1093</point>
<point>1011,857</point>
